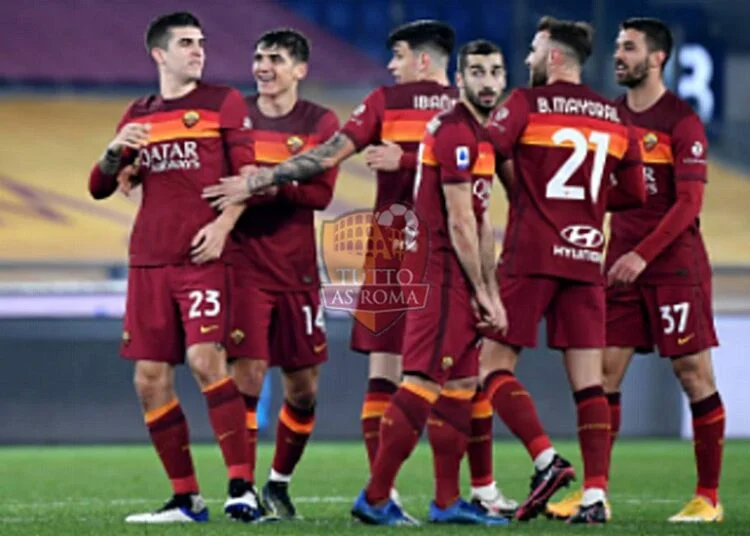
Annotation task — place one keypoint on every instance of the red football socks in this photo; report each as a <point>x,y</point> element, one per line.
<point>400,429</point>
<point>479,450</point>
<point>515,407</point>
<point>708,443</point>
<point>251,426</point>
<point>613,399</point>
<point>448,430</point>
<point>292,432</point>
<point>226,411</point>
<point>377,397</point>
<point>169,434</point>
<point>593,435</point>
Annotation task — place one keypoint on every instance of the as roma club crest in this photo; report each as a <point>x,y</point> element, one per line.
<point>294,144</point>
<point>191,118</point>
<point>649,141</point>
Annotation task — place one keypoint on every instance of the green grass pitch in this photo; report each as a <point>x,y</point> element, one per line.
<point>89,490</point>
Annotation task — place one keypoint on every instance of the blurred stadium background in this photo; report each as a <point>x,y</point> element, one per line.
<point>69,67</point>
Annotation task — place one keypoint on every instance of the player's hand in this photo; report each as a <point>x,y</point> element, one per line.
<point>127,179</point>
<point>132,136</point>
<point>626,269</point>
<point>208,243</point>
<point>385,157</point>
<point>489,311</point>
<point>237,189</point>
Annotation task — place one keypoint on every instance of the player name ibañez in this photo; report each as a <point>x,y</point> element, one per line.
<point>577,106</point>
<point>171,155</point>
<point>432,102</point>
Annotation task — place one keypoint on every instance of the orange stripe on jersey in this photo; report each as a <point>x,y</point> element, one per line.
<point>541,134</point>
<point>186,114</point>
<point>176,128</point>
<point>485,163</point>
<point>426,151</point>
<point>275,147</point>
<point>402,130</point>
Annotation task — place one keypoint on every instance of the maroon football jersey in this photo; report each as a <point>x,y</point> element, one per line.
<point>399,114</point>
<point>455,149</point>
<point>194,141</point>
<point>674,147</point>
<point>565,141</point>
<point>277,238</point>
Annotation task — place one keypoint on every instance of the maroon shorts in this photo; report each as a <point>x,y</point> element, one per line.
<point>170,308</point>
<point>287,329</point>
<point>574,312</point>
<point>677,319</point>
<point>389,339</point>
<point>441,340</point>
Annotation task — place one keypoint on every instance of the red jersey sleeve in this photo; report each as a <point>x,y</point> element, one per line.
<point>408,160</point>
<point>455,151</point>
<point>317,193</point>
<point>363,126</point>
<point>234,122</point>
<point>689,149</point>
<point>508,123</point>
<point>628,190</point>
<point>102,186</point>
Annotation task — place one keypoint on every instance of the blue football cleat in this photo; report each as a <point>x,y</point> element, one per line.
<point>389,514</point>
<point>464,513</point>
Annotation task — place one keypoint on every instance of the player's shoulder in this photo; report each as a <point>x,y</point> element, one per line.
<point>677,108</point>
<point>212,96</point>
<point>314,111</point>
<point>455,122</point>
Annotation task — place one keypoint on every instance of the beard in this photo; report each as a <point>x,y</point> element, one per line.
<point>537,76</point>
<point>476,100</point>
<point>634,76</point>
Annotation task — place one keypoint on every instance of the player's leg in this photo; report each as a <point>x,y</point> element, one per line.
<point>525,299</point>
<point>299,348</point>
<point>248,347</point>
<point>202,295</point>
<point>484,490</point>
<point>627,327</point>
<point>685,333</point>
<point>576,324</point>
<point>152,338</point>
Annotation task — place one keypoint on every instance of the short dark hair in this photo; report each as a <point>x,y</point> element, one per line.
<point>157,33</point>
<point>426,32</point>
<point>291,40</point>
<point>577,36</point>
<point>481,47</point>
<point>658,35</point>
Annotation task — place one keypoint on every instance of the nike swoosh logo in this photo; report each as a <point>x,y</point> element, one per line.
<point>319,348</point>
<point>225,435</point>
<point>208,329</point>
<point>685,340</point>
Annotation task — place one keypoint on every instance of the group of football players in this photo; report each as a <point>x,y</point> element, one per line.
<point>225,273</point>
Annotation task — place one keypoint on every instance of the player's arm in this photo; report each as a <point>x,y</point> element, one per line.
<point>627,187</point>
<point>487,253</point>
<point>462,228</point>
<point>360,130</point>
<point>689,150</point>
<point>316,194</point>
<point>504,172</point>
<point>123,148</point>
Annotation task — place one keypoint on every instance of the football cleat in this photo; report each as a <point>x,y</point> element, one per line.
<point>276,500</point>
<point>494,503</point>
<point>699,510</point>
<point>183,508</point>
<point>389,514</point>
<point>566,507</point>
<point>464,513</point>
<point>558,474</point>
<point>243,503</point>
<point>593,514</point>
